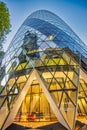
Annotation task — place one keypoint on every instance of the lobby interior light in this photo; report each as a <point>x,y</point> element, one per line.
<point>50,37</point>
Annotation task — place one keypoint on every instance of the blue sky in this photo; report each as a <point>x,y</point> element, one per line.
<point>73,12</point>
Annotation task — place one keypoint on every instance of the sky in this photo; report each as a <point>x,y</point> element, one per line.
<point>73,12</point>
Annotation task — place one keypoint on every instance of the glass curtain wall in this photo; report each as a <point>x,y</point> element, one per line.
<point>57,69</point>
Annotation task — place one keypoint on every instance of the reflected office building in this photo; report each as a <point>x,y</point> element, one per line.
<point>43,76</point>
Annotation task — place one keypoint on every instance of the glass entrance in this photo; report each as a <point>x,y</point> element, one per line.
<point>35,106</point>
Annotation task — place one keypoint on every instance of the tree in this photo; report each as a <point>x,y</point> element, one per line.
<point>4,21</point>
<point>4,25</point>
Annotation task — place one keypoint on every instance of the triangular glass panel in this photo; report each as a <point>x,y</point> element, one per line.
<point>51,62</point>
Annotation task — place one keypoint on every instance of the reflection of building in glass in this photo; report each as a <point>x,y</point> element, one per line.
<point>30,45</point>
<point>45,66</point>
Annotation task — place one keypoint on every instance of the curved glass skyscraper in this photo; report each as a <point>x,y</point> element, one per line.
<point>43,75</point>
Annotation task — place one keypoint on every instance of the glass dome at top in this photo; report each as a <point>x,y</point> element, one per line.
<point>48,31</point>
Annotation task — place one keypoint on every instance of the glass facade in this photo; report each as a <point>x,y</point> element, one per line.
<point>40,73</point>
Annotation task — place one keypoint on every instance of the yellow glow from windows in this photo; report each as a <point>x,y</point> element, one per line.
<point>50,37</point>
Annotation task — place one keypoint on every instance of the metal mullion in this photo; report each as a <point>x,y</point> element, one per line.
<point>52,78</point>
<point>2,90</point>
<point>29,59</point>
<point>69,65</point>
<point>61,88</point>
<point>16,84</point>
<point>30,101</point>
<point>26,65</point>
<point>47,55</point>
<point>50,83</point>
<point>20,89</point>
<point>47,61</point>
<point>66,61</point>
<point>60,99</point>
<point>42,42</point>
<point>8,93</point>
<point>49,90</point>
<point>6,116</point>
<point>85,83</point>
<point>50,58</point>
<point>56,86</point>
<point>79,109</point>
<point>9,111</point>
<point>86,104</point>
<point>83,107</point>
<point>26,77</point>
<point>18,65</point>
<point>1,96</point>
<point>5,120</point>
<point>83,89</point>
<point>66,93</point>
<point>6,97</point>
<point>50,99</point>
<point>69,79</point>
<point>67,71</point>
<point>65,81</point>
<point>54,73</point>
<point>57,95</point>
<point>65,74</point>
<point>4,87</point>
<point>4,102</point>
<point>82,110</point>
<point>46,67</point>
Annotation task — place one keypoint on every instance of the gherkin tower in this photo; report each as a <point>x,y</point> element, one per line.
<point>43,75</point>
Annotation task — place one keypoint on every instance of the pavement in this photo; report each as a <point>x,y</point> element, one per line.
<point>53,126</point>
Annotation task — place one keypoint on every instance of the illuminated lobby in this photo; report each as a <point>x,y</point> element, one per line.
<point>43,75</point>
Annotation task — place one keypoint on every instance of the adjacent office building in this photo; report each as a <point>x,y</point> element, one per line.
<point>43,76</point>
